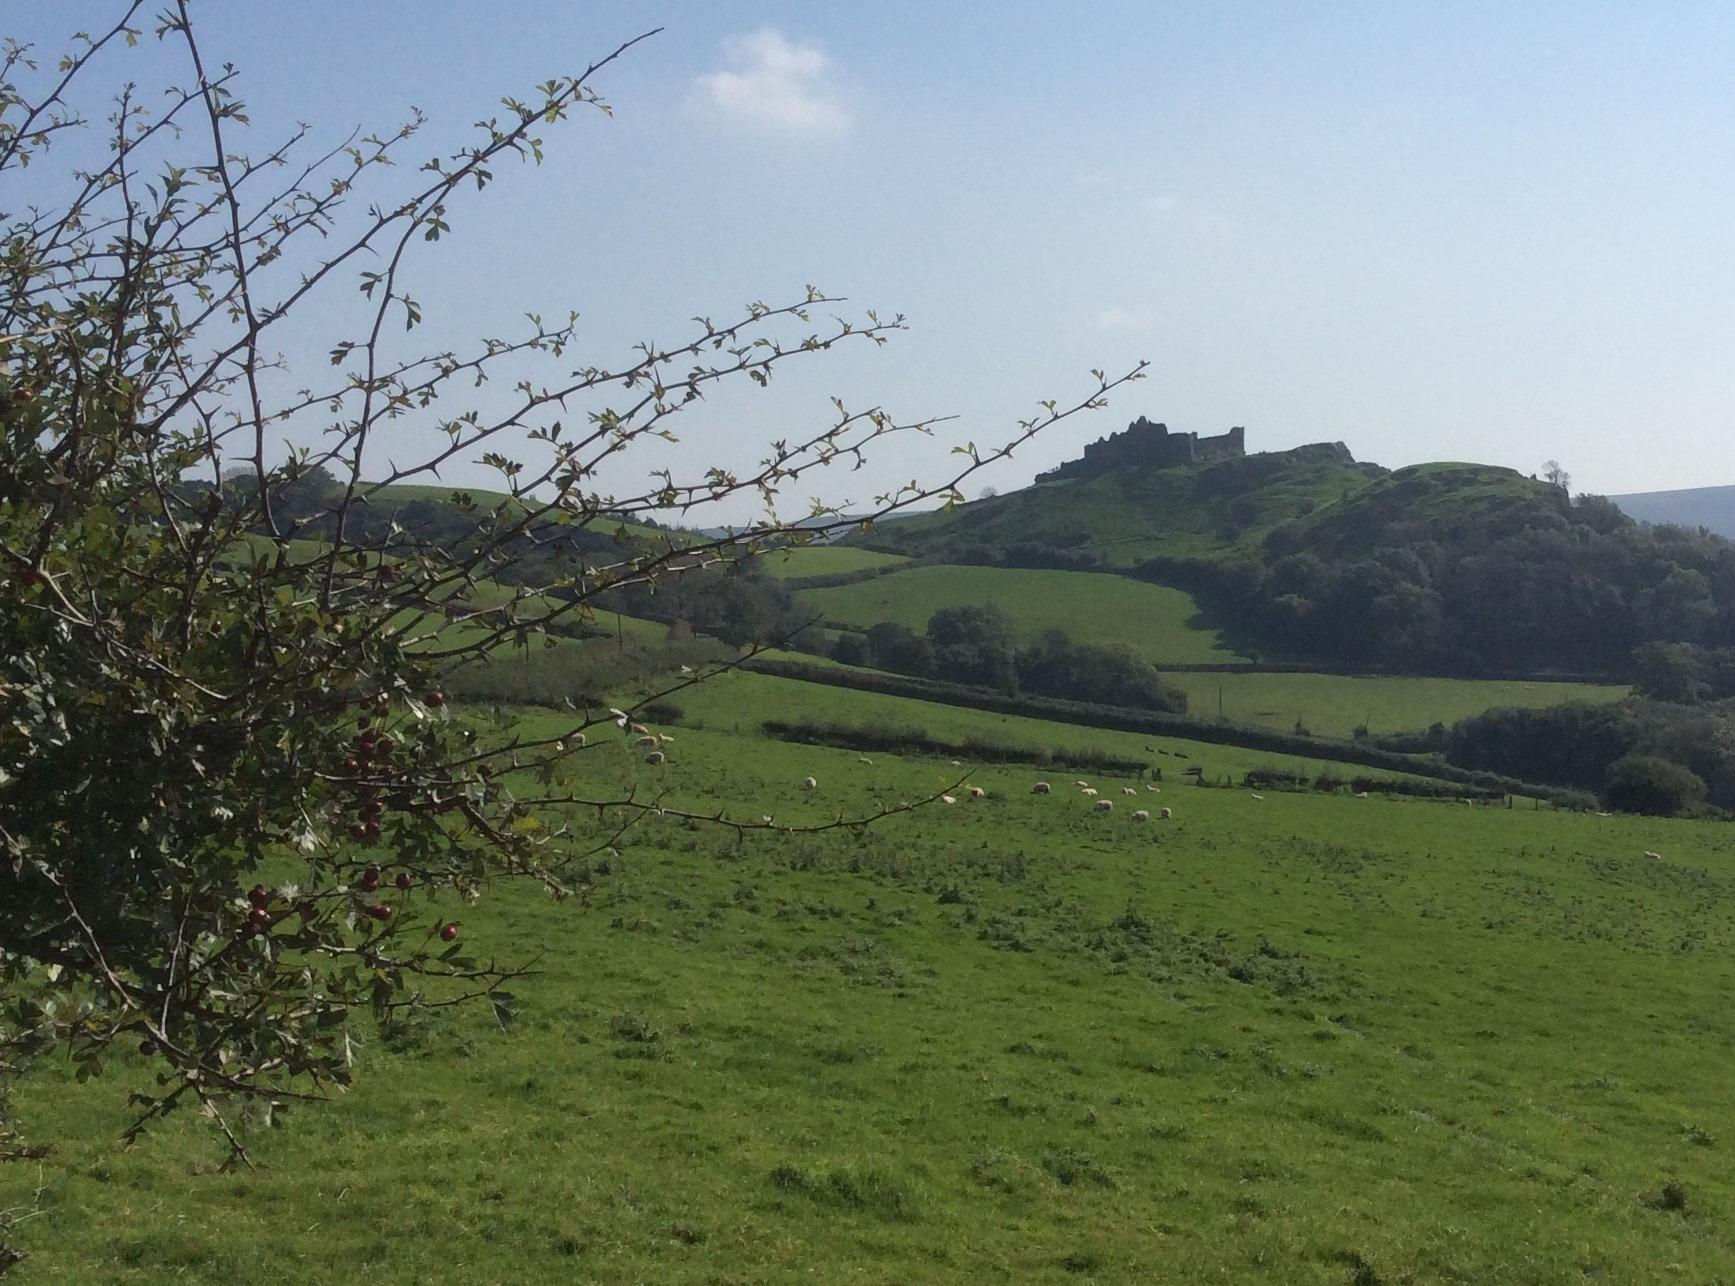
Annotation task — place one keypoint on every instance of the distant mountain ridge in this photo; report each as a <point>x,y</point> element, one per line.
<point>1712,508</point>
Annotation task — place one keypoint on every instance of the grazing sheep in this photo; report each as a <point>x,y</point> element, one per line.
<point>1081,784</point>
<point>976,792</point>
<point>957,763</point>
<point>655,757</point>
<point>1040,788</point>
<point>1361,794</point>
<point>1256,795</point>
<point>1655,857</point>
<point>1089,792</point>
<point>808,783</point>
<point>947,799</point>
<point>1165,814</point>
<point>1143,815</point>
<point>1103,806</point>
<point>1154,788</point>
<point>1128,790</point>
<point>647,740</point>
<point>863,759</point>
<point>638,728</point>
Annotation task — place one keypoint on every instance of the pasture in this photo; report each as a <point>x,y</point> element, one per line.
<point>803,561</point>
<point>1335,705</point>
<point>1157,622</point>
<point>1294,1039</point>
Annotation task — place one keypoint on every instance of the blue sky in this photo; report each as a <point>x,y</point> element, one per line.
<point>1491,232</point>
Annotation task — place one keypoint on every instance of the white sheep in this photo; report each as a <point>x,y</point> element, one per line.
<point>808,783</point>
<point>638,728</point>
<point>1143,815</point>
<point>1256,795</point>
<point>1089,792</point>
<point>1655,857</point>
<point>647,740</point>
<point>655,757</point>
<point>1361,794</point>
<point>863,759</point>
<point>1154,788</point>
<point>1165,814</point>
<point>947,799</point>
<point>1103,806</point>
<point>1081,784</point>
<point>976,792</point>
<point>1041,788</point>
<point>1128,790</point>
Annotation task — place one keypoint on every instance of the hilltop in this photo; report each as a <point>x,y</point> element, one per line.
<point>1117,518</point>
<point>1307,555</point>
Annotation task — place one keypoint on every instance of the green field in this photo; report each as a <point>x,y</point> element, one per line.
<point>1155,621</point>
<point>823,560</point>
<point>1332,705</point>
<point>1300,1039</point>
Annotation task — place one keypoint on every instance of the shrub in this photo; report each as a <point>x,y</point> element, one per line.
<point>1647,784</point>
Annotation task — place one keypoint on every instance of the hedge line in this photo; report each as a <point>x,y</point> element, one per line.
<point>909,741</point>
<point>1167,725</point>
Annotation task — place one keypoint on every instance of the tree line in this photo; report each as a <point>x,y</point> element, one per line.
<point>974,645</point>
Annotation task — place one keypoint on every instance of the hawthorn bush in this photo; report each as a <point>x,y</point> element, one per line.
<point>236,809</point>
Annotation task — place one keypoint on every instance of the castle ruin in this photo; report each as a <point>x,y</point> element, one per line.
<point>1149,446</point>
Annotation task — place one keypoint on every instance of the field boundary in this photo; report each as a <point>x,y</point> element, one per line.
<point>1244,736</point>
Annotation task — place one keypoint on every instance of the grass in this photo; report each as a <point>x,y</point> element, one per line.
<point>1302,1039</point>
<point>1122,518</point>
<point>1334,705</point>
<point>823,560</point>
<point>1157,622</point>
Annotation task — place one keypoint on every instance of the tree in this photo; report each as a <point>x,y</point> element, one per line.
<point>235,807</point>
<point>1648,784</point>
<point>1555,476</point>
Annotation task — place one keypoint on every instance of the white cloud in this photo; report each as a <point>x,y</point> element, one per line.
<point>1118,318</point>
<point>777,85</point>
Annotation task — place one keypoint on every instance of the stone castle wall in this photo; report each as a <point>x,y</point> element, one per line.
<point>1150,446</point>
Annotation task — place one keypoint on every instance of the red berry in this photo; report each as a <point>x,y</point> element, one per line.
<point>351,765</point>
<point>380,911</point>
<point>258,920</point>
<point>436,698</point>
<point>404,881</point>
<point>449,933</point>
<point>484,771</point>
<point>259,895</point>
<point>30,577</point>
<point>359,830</point>
<point>370,829</point>
<point>383,747</point>
<point>370,879</point>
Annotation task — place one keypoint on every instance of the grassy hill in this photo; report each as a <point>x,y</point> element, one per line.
<point>1155,621</point>
<point>1301,1039</point>
<point>1446,502</point>
<point>1121,519</point>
